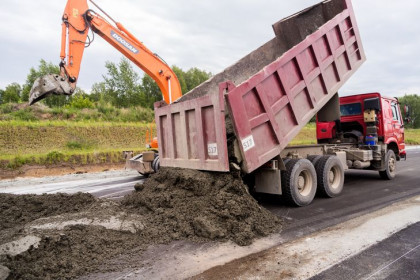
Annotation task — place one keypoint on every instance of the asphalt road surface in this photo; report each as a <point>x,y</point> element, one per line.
<point>397,257</point>
<point>364,192</point>
<point>110,184</point>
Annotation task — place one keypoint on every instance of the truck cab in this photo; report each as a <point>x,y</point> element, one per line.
<point>355,127</point>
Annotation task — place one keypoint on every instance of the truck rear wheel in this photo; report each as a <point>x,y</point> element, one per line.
<point>390,166</point>
<point>330,176</point>
<point>314,159</point>
<point>298,182</point>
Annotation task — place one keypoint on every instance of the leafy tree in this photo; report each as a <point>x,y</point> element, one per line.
<point>98,93</point>
<point>151,92</point>
<point>181,78</point>
<point>122,84</point>
<point>44,68</point>
<point>195,76</point>
<point>413,102</point>
<point>12,93</point>
<point>188,80</point>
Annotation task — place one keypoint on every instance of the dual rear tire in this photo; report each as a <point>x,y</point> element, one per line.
<point>303,178</point>
<point>330,176</point>
<point>298,182</point>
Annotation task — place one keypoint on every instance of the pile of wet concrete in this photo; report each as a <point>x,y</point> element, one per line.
<point>73,235</point>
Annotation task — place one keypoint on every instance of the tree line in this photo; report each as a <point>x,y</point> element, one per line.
<point>122,87</point>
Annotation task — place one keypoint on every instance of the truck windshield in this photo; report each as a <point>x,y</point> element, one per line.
<point>351,109</point>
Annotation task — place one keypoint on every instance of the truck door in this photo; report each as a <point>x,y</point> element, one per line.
<point>397,124</point>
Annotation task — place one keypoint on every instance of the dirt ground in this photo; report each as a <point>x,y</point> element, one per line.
<point>66,236</point>
<point>57,170</point>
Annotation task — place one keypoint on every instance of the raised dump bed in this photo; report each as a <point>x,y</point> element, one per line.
<point>269,95</point>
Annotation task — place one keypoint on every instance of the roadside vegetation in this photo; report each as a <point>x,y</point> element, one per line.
<point>81,142</point>
<point>72,142</point>
<point>412,136</point>
<point>116,116</point>
<point>122,87</point>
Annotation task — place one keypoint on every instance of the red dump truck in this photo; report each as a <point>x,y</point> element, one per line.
<point>245,117</point>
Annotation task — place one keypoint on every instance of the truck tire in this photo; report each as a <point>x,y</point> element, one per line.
<point>390,166</point>
<point>314,158</point>
<point>330,176</point>
<point>286,160</point>
<point>298,182</point>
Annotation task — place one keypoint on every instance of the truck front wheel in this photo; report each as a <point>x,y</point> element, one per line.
<point>330,176</point>
<point>298,182</point>
<point>390,166</point>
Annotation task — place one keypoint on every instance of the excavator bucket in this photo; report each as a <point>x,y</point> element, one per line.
<point>49,84</point>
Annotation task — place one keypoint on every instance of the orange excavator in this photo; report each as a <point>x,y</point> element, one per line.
<point>78,21</point>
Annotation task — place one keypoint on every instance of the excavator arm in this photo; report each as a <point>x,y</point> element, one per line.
<point>78,20</point>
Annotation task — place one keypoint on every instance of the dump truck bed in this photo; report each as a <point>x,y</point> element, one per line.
<point>268,96</point>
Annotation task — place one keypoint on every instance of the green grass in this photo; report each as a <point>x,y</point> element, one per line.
<point>412,136</point>
<point>19,138</point>
<point>66,123</point>
<point>58,157</point>
<point>60,141</point>
<point>88,142</point>
<point>306,136</point>
<point>41,135</point>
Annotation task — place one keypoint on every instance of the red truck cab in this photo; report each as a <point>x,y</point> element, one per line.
<point>389,122</point>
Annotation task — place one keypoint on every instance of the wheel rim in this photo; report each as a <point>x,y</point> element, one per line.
<point>391,165</point>
<point>334,177</point>
<point>304,183</point>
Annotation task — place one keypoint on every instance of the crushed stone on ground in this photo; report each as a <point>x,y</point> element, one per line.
<point>173,204</point>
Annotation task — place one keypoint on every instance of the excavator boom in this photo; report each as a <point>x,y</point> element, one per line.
<point>78,20</point>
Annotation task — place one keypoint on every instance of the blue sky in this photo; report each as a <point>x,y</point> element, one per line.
<point>212,35</point>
